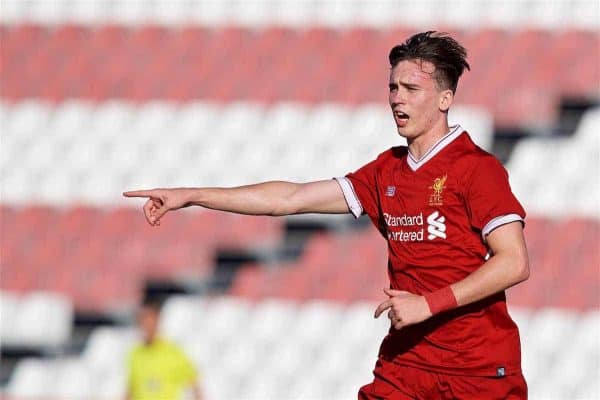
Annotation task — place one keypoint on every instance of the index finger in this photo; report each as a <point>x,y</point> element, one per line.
<point>382,307</point>
<point>394,292</point>
<point>139,193</point>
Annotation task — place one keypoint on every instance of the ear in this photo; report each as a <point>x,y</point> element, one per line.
<point>446,99</point>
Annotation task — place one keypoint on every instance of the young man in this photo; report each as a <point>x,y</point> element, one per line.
<point>454,233</point>
<point>157,368</point>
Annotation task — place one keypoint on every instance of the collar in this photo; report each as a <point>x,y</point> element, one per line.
<point>454,132</point>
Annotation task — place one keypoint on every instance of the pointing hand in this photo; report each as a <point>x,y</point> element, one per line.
<point>159,202</point>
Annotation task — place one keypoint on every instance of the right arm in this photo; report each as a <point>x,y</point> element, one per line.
<point>273,198</point>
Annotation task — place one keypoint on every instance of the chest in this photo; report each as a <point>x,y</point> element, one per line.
<point>402,190</point>
<point>155,365</point>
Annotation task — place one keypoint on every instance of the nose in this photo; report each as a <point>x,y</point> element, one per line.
<point>397,97</point>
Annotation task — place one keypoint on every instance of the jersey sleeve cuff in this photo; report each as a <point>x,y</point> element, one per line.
<point>350,195</point>
<point>498,222</point>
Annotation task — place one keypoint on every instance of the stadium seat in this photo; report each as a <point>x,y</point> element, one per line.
<point>271,319</point>
<point>108,161</point>
<point>32,378</point>
<point>36,320</point>
<point>154,43</point>
<point>73,380</point>
<point>107,348</point>
<point>179,313</point>
<point>347,351</point>
<point>9,311</point>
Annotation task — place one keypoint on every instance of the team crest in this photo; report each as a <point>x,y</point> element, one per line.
<point>435,198</point>
<point>390,191</point>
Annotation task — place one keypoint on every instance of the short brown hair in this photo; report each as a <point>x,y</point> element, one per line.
<point>448,56</point>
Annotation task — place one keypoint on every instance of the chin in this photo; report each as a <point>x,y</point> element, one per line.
<point>403,132</point>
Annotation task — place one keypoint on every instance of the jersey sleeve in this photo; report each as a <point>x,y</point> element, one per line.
<point>360,191</point>
<point>489,198</point>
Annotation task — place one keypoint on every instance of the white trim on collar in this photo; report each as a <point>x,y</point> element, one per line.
<point>455,132</point>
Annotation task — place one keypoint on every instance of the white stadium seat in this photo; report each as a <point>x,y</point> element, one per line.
<point>106,147</point>
<point>225,318</point>
<point>314,320</point>
<point>336,14</point>
<point>107,349</point>
<point>40,320</point>
<point>317,350</point>
<point>271,319</point>
<point>179,314</point>
<point>9,311</point>
<point>32,378</point>
<point>73,380</point>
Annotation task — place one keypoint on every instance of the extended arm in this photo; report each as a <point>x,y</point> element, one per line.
<point>269,198</point>
<point>507,266</point>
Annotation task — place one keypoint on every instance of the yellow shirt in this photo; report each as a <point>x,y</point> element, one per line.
<point>159,371</point>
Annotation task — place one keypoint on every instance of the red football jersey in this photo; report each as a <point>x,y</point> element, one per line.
<point>436,213</point>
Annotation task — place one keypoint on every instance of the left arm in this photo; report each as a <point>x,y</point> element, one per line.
<point>507,266</point>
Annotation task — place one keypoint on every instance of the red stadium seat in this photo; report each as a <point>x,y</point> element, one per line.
<point>315,65</point>
<point>100,257</point>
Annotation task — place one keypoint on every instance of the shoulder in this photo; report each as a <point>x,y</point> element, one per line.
<point>472,160</point>
<point>391,155</point>
<point>134,353</point>
<point>170,348</point>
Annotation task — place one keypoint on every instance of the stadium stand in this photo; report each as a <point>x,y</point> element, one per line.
<point>468,14</point>
<point>113,62</point>
<point>90,152</point>
<point>532,158</point>
<point>37,319</point>
<point>92,91</point>
<point>343,362</point>
<point>58,250</point>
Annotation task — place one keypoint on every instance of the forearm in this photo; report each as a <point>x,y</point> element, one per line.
<point>508,266</point>
<point>498,273</point>
<point>273,198</point>
<point>269,198</point>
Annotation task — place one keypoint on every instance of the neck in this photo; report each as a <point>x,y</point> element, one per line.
<point>149,340</point>
<point>420,144</point>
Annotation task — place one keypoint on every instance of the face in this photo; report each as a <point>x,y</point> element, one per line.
<point>148,323</point>
<point>416,101</point>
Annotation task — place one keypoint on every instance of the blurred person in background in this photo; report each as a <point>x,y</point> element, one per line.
<point>157,368</point>
<point>454,231</point>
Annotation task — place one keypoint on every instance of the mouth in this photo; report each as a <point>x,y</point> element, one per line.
<point>401,118</point>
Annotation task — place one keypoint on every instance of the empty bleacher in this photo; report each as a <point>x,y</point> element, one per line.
<point>101,258</point>
<point>102,96</point>
<point>228,64</point>
<point>466,14</point>
<point>280,338</point>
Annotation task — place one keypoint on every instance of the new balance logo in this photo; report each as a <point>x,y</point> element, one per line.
<point>437,227</point>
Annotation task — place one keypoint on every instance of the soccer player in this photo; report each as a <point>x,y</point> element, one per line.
<point>157,368</point>
<point>454,232</point>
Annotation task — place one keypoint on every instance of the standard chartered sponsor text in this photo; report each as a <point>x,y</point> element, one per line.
<point>413,229</point>
<point>405,220</point>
